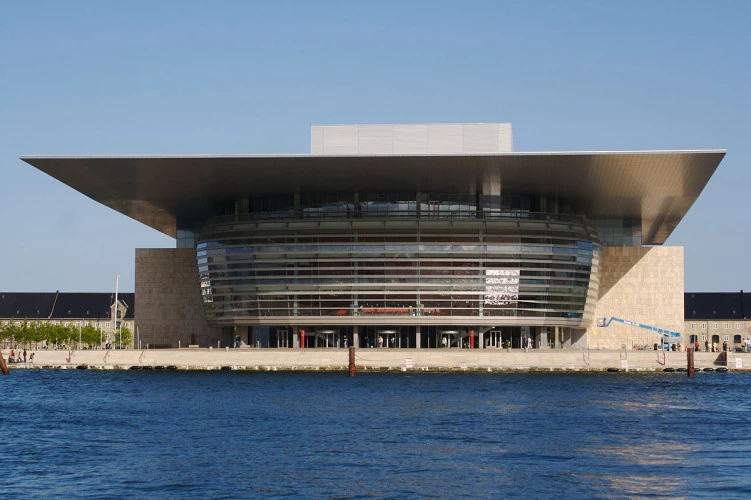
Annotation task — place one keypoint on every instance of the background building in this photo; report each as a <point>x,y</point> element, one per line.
<point>407,236</point>
<point>714,318</point>
<point>71,310</point>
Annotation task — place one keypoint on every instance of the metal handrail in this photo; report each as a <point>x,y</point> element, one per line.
<point>664,357</point>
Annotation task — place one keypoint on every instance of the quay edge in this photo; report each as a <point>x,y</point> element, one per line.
<point>375,360</point>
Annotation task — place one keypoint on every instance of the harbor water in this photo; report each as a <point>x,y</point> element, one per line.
<point>378,435</point>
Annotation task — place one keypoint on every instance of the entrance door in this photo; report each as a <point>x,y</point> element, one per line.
<point>449,338</point>
<point>493,339</point>
<point>282,337</point>
<point>326,338</point>
<point>387,338</point>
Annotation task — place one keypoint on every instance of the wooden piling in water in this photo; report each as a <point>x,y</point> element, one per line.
<point>690,361</point>
<point>351,361</point>
<point>3,366</point>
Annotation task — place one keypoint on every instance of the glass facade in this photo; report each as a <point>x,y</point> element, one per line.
<point>398,260</point>
<point>618,232</point>
<point>185,239</point>
<point>392,204</point>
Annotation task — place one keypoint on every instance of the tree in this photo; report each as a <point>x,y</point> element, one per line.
<point>64,335</point>
<point>5,332</point>
<point>47,332</point>
<point>35,333</point>
<point>12,332</point>
<point>126,336</point>
<point>23,333</point>
<point>90,335</point>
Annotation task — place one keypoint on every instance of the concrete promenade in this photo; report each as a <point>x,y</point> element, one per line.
<point>376,360</point>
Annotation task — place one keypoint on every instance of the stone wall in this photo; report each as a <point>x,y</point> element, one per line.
<point>169,308</point>
<point>640,284</point>
<point>485,360</point>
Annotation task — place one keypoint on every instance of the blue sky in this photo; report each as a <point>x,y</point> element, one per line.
<point>234,77</point>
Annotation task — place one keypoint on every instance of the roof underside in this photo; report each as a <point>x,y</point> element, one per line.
<point>656,187</point>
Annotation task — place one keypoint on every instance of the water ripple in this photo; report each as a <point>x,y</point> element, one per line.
<point>231,434</point>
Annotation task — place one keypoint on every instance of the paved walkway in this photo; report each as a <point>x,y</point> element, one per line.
<point>378,359</point>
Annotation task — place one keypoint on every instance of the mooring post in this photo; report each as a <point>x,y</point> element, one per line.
<point>690,361</point>
<point>3,366</point>
<point>351,361</point>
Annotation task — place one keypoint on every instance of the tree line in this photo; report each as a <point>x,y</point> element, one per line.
<point>33,334</point>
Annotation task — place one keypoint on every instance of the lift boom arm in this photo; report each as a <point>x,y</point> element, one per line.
<point>604,322</point>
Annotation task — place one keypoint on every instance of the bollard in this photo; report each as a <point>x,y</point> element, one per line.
<point>226,349</point>
<point>351,361</point>
<point>690,362</point>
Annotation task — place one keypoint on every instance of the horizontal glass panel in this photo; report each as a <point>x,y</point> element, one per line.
<point>412,266</point>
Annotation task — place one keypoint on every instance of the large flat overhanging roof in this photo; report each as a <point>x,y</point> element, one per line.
<point>657,187</point>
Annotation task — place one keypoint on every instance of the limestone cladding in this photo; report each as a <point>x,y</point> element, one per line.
<point>640,284</point>
<point>168,294</point>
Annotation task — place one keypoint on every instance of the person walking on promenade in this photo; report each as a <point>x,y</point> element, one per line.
<point>24,355</point>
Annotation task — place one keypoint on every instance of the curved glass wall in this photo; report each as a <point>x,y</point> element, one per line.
<point>400,269</point>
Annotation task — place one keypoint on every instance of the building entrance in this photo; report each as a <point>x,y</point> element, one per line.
<point>283,338</point>
<point>326,338</point>
<point>448,338</point>
<point>493,339</point>
<point>388,338</point>
<point>513,336</point>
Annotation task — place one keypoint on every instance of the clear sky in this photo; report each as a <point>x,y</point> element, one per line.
<point>235,77</point>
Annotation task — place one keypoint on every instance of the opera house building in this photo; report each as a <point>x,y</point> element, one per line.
<point>405,236</point>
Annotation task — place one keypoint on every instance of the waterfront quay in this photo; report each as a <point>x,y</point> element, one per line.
<point>421,360</point>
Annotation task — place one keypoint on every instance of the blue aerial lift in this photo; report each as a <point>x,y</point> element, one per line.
<point>665,334</point>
